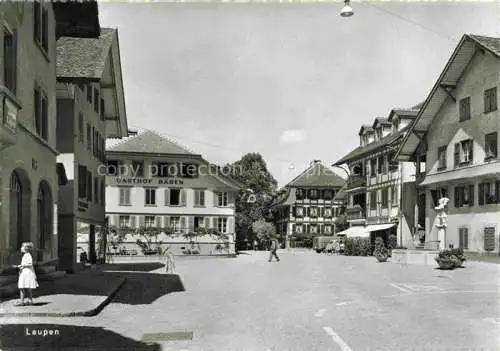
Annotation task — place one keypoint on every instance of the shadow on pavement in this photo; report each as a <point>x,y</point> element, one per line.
<point>136,267</point>
<point>66,337</point>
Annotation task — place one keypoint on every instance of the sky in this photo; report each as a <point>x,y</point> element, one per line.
<point>292,81</point>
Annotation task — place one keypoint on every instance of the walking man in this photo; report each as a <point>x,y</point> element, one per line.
<point>273,249</point>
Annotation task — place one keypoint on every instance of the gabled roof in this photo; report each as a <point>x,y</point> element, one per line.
<point>468,47</point>
<point>84,57</point>
<point>362,151</point>
<point>380,120</point>
<point>405,113</point>
<point>317,175</point>
<point>365,128</point>
<point>147,142</point>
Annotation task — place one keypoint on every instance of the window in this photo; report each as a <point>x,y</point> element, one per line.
<point>103,192</point>
<point>199,197</point>
<point>149,221</point>
<point>394,196</point>
<point>300,194</point>
<point>175,197</point>
<point>89,186</point>
<point>313,212</point>
<point>464,196</point>
<point>89,93</point>
<point>385,197</point>
<point>97,100</point>
<point>313,194</point>
<point>189,170</point>
<point>41,25</point>
<point>222,198</point>
<point>490,145</point>
<point>41,113</point>
<point>175,223</point>
<point>313,229</point>
<point>150,199</point>
<point>373,200</point>
<point>102,110</point>
<point>299,228</point>
<point>490,100</point>
<point>94,141</point>
<point>10,61</point>
<point>299,211</point>
<point>442,158</point>
<point>437,194</point>
<point>124,221</point>
<point>464,152</point>
<point>373,167</point>
<point>327,212</point>
<point>327,229</point>
<point>80,127</point>
<point>464,109</point>
<point>199,222</point>
<point>96,190</point>
<point>82,182</point>
<point>89,137</point>
<point>380,166</point>
<point>112,167</point>
<point>124,196</point>
<point>222,225</point>
<point>138,168</point>
<point>463,238</point>
<point>489,193</point>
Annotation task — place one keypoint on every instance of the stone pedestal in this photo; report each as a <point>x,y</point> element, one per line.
<point>441,238</point>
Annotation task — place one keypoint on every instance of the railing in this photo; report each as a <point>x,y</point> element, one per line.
<point>355,212</point>
<point>356,181</point>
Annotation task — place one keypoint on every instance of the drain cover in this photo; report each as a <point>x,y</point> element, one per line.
<point>175,336</point>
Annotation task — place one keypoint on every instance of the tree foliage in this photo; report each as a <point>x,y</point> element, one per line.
<point>264,230</point>
<point>251,170</point>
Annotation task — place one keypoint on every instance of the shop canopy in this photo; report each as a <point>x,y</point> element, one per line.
<point>364,232</point>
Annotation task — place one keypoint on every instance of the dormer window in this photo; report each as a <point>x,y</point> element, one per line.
<point>379,133</point>
<point>396,124</point>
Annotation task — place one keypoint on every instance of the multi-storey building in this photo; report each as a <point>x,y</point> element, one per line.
<point>29,174</point>
<point>456,135</point>
<point>308,204</point>
<point>380,191</point>
<point>154,182</point>
<point>90,108</point>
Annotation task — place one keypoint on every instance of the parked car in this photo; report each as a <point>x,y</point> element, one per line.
<point>320,242</point>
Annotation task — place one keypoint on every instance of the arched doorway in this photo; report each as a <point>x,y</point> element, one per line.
<point>44,215</point>
<point>19,208</point>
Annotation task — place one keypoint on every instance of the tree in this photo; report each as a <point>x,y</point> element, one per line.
<point>264,230</point>
<point>251,170</point>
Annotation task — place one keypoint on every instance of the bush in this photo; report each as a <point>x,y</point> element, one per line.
<point>451,257</point>
<point>358,246</point>
<point>380,249</point>
<point>392,242</point>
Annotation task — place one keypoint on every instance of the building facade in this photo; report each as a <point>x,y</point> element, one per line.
<point>307,206</point>
<point>90,108</point>
<point>153,182</point>
<point>29,174</point>
<point>381,192</point>
<point>455,139</point>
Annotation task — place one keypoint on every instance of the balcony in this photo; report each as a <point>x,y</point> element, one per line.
<point>9,108</point>
<point>356,181</point>
<point>355,212</point>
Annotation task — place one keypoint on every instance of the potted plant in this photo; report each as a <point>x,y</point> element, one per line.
<point>450,258</point>
<point>381,253</point>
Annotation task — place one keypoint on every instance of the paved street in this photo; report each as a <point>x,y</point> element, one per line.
<point>305,302</point>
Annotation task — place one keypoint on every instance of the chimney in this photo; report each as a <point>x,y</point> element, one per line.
<point>315,162</point>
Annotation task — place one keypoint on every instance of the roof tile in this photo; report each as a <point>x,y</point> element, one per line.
<point>317,175</point>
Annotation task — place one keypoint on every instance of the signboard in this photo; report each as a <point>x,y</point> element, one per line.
<point>489,238</point>
<point>155,182</point>
<point>10,113</point>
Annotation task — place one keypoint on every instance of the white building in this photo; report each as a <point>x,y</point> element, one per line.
<point>153,182</point>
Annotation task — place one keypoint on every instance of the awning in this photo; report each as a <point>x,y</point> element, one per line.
<point>356,231</point>
<point>463,173</point>
<point>375,227</point>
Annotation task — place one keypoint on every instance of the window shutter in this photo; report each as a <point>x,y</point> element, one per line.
<point>308,211</point>
<point>481,194</point>
<point>457,199</point>
<point>230,225</point>
<point>461,237</point>
<point>230,198</point>
<point>141,221</point>
<point>471,151</point>
<point>183,197</point>
<point>191,223</point>
<point>197,197</point>
<point>466,238</point>
<point>158,221</point>
<point>127,195</point>
<point>116,220</point>
<point>183,224</point>
<point>471,195</point>
<point>166,221</point>
<point>207,222</point>
<point>293,228</point>
<point>167,197</point>
<point>457,154</point>
<point>497,191</point>
<point>132,222</point>
<point>216,202</point>
<point>321,211</point>
<point>494,99</point>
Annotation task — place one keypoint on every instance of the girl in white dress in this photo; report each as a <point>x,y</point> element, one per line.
<point>27,277</point>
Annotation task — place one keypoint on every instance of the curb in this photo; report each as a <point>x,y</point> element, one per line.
<point>89,313</point>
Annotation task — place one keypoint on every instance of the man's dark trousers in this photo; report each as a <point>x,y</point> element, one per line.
<point>273,253</point>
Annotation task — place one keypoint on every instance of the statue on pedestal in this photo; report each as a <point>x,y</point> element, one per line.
<point>442,221</point>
